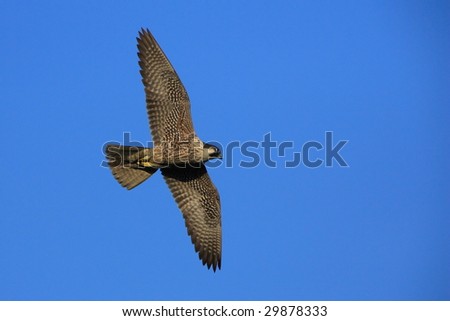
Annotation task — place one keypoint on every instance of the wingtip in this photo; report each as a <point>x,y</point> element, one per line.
<point>217,265</point>
<point>143,32</point>
<point>210,261</point>
<point>144,40</point>
<point>207,257</point>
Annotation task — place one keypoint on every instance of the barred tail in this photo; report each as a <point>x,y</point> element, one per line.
<point>122,161</point>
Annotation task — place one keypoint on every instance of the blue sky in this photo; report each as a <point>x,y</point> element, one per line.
<point>375,73</point>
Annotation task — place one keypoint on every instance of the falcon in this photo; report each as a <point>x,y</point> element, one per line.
<point>177,151</point>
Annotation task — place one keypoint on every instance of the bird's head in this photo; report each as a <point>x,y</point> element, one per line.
<point>211,152</point>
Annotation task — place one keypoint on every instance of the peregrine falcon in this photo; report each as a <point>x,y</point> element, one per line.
<point>177,151</point>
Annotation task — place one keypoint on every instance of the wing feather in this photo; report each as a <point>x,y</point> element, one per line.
<point>168,105</point>
<point>199,201</point>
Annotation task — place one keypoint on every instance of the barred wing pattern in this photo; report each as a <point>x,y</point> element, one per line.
<point>199,201</point>
<point>168,105</point>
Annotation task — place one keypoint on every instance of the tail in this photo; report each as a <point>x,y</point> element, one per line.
<point>122,161</point>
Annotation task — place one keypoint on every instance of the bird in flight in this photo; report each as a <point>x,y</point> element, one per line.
<point>177,151</point>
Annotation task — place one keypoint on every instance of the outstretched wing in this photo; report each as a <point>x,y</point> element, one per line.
<point>199,201</point>
<point>168,105</point>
